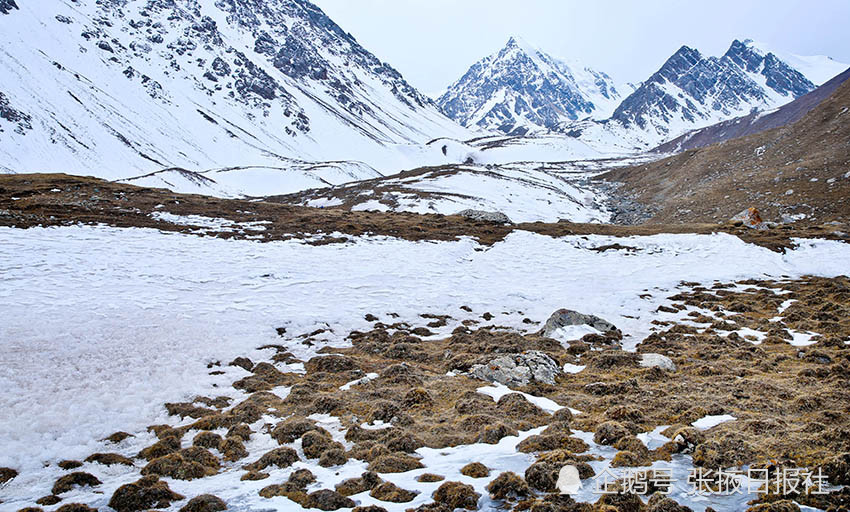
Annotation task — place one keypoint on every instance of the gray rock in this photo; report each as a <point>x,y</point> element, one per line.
<point>565,317</point>
<point>519,369</point>
<point>497,217</point>
<point>657,361</point>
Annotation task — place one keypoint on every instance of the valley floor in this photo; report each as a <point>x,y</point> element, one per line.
<point>123,309</point>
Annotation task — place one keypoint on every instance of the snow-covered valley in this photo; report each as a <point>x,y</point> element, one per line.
<point>104,325</point>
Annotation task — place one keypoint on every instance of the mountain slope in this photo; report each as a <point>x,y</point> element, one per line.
<point>755,122</point>
<point>131,87</point>
<point>520,89</point>
<point>797,171</point>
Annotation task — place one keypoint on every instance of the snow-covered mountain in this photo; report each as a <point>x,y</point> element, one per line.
<point>119,88</point>
<point>693,91</point>
<point>521,89</point>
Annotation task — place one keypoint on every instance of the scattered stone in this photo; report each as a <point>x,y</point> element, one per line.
<point>67,464</point>
<point>657,361</point>
<point>519,370</point>
<point>508,485</point>
<point>475,470</point>
<point>204,503</point>
<point>750,218</point>
<point>67,482</point>
<point>147,493</point>
<point>565,317</point>
<point>456,495</point>
<point>370,508</point>
<point>485,216</point>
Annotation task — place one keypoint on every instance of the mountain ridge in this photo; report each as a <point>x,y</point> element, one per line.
<point>521,88</point>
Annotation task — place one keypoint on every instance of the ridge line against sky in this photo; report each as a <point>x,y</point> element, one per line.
<point>434,42</point>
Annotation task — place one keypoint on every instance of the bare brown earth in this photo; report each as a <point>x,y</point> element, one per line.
<point>790,405</point>
<point>810,158</point>
<point>28,200</point>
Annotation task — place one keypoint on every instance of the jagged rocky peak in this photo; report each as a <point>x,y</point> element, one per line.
<point>778,75</point>
<point>692,90</point>
<point>521,88</point>
<point>6,6</point>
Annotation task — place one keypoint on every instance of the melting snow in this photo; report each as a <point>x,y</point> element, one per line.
<point>708,422</point>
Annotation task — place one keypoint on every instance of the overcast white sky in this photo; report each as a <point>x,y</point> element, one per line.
<point>433,42</point>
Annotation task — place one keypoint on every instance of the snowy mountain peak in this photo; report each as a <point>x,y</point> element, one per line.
<point>521,88</point>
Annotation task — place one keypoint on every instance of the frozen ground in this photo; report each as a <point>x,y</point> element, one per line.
<point>101,325</point>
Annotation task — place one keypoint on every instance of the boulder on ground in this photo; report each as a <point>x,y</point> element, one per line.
<point>750,218</point>
<point>519,369</point>
<point>657,361</point>
<point>566,317</point>
<point>485,216</point>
